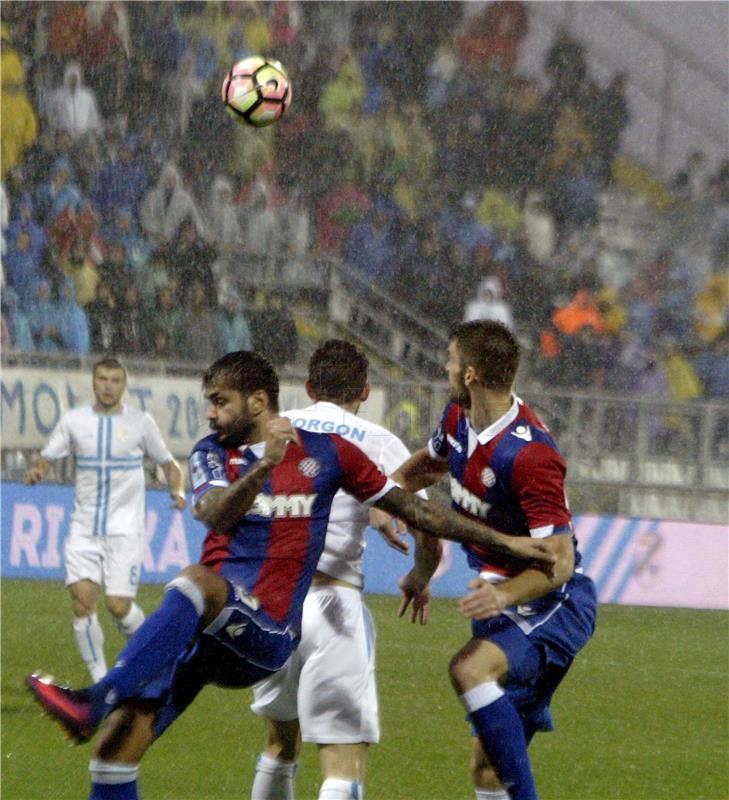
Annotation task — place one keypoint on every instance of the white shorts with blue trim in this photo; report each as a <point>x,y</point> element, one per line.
<point>329,681</point>
<point>114,562</point>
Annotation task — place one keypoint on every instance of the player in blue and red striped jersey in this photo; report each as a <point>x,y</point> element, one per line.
<point>264,491</point>
<point>527,626</point>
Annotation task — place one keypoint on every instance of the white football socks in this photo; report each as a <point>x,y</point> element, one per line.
<point>90,643</point>
<point>339,789</point>
<point>491,794</point>
<point>274,779</point>
<point>111,772</point>
<point>128,624</point>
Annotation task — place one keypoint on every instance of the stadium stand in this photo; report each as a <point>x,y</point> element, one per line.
<point>415,163</point>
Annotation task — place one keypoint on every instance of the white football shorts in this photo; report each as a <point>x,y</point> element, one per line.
<point>114,562</point>
<point>329,681</point>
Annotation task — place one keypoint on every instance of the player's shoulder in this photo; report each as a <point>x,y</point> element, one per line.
<point>79,414</point>
<point>530,426</point>
<point>209,442</point>
<point>133,413</point>
<point>526,443</point>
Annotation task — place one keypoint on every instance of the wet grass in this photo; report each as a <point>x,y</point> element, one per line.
<point>641,716</point>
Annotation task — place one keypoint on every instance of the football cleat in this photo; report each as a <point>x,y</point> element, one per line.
<point>73,709</point>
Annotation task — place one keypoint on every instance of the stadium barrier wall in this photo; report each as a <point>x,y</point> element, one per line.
<point>32,401</point>
<point>633,561</point>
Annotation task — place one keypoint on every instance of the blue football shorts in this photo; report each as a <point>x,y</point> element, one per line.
<point>541,640</point>
<point>240,647</point>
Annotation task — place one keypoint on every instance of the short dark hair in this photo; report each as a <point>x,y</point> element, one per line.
<point>246,372</point>
<point>337,371</point>
<point>491,348</point>
<point>108,362</point>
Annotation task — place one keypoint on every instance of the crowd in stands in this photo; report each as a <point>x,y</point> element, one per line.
<point>141,219</point>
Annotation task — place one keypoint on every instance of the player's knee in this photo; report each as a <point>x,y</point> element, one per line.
<point>463,673</point>
<point>118,607</point>
<point>214,589</point>
<point>82,607</point>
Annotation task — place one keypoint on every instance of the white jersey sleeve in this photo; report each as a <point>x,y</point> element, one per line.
<point>153,444</point>
<point>348,520</point>
<point>59,442</point>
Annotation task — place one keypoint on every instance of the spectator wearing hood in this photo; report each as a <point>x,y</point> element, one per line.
<point>123,229</point>
<point>19,123</point>
<point>201,325</point>
<point>73,106</point>
<point>458,223</point>
<point>23,219</point>
<point>166,206</point>
<point>343,95</point>
<point>59,193</point>
<point>371,245</point>
<point>73,324</point>
<point>234,333</point>
<point>17,322</point>
<point>43,318</point>
<point>190,259</point>
<point>224,228</point>
<point>489,304</point>
<point>121,183</point>
<point>22,263</point>
<point>80,268</point>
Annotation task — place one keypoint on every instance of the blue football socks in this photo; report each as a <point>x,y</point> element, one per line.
<point>501,733</point>
<point>163,636</point>
<point>112,780</point>
<point>114,791</point>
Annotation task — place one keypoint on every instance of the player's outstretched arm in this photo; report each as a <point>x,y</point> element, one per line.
<point>420,471</point>
<point>37,471</point>
<point>222,509</point>
<point>437,520</point>
<point>175,480</point>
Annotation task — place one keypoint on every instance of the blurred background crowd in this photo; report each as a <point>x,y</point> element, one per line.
<point>139,218</point>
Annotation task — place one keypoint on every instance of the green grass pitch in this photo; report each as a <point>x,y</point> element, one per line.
<point>641,716</point>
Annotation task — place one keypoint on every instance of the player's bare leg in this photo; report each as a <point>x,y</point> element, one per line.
<point>485,780</point>
<point>86,628</point>
<point>475,672</point>
<point>343,768</point>
<point>125,736</point>
<point>127,614</point>
<point>276,766</point>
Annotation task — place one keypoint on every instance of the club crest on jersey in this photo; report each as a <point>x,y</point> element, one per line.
<point>488,477</point>
<point>522,432</point>
<point>309,467</point>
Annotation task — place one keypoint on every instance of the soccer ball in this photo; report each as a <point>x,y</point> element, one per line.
<point>257,91</point>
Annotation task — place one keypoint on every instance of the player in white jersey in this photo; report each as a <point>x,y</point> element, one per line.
<point>105,542</point>
<point>326,693</point>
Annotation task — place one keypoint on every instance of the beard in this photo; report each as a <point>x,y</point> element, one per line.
<point>236,433</point>
<point>459,393</point>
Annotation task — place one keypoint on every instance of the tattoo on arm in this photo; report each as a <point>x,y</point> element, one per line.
<point>439,521</point>
<point>222,509</point>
